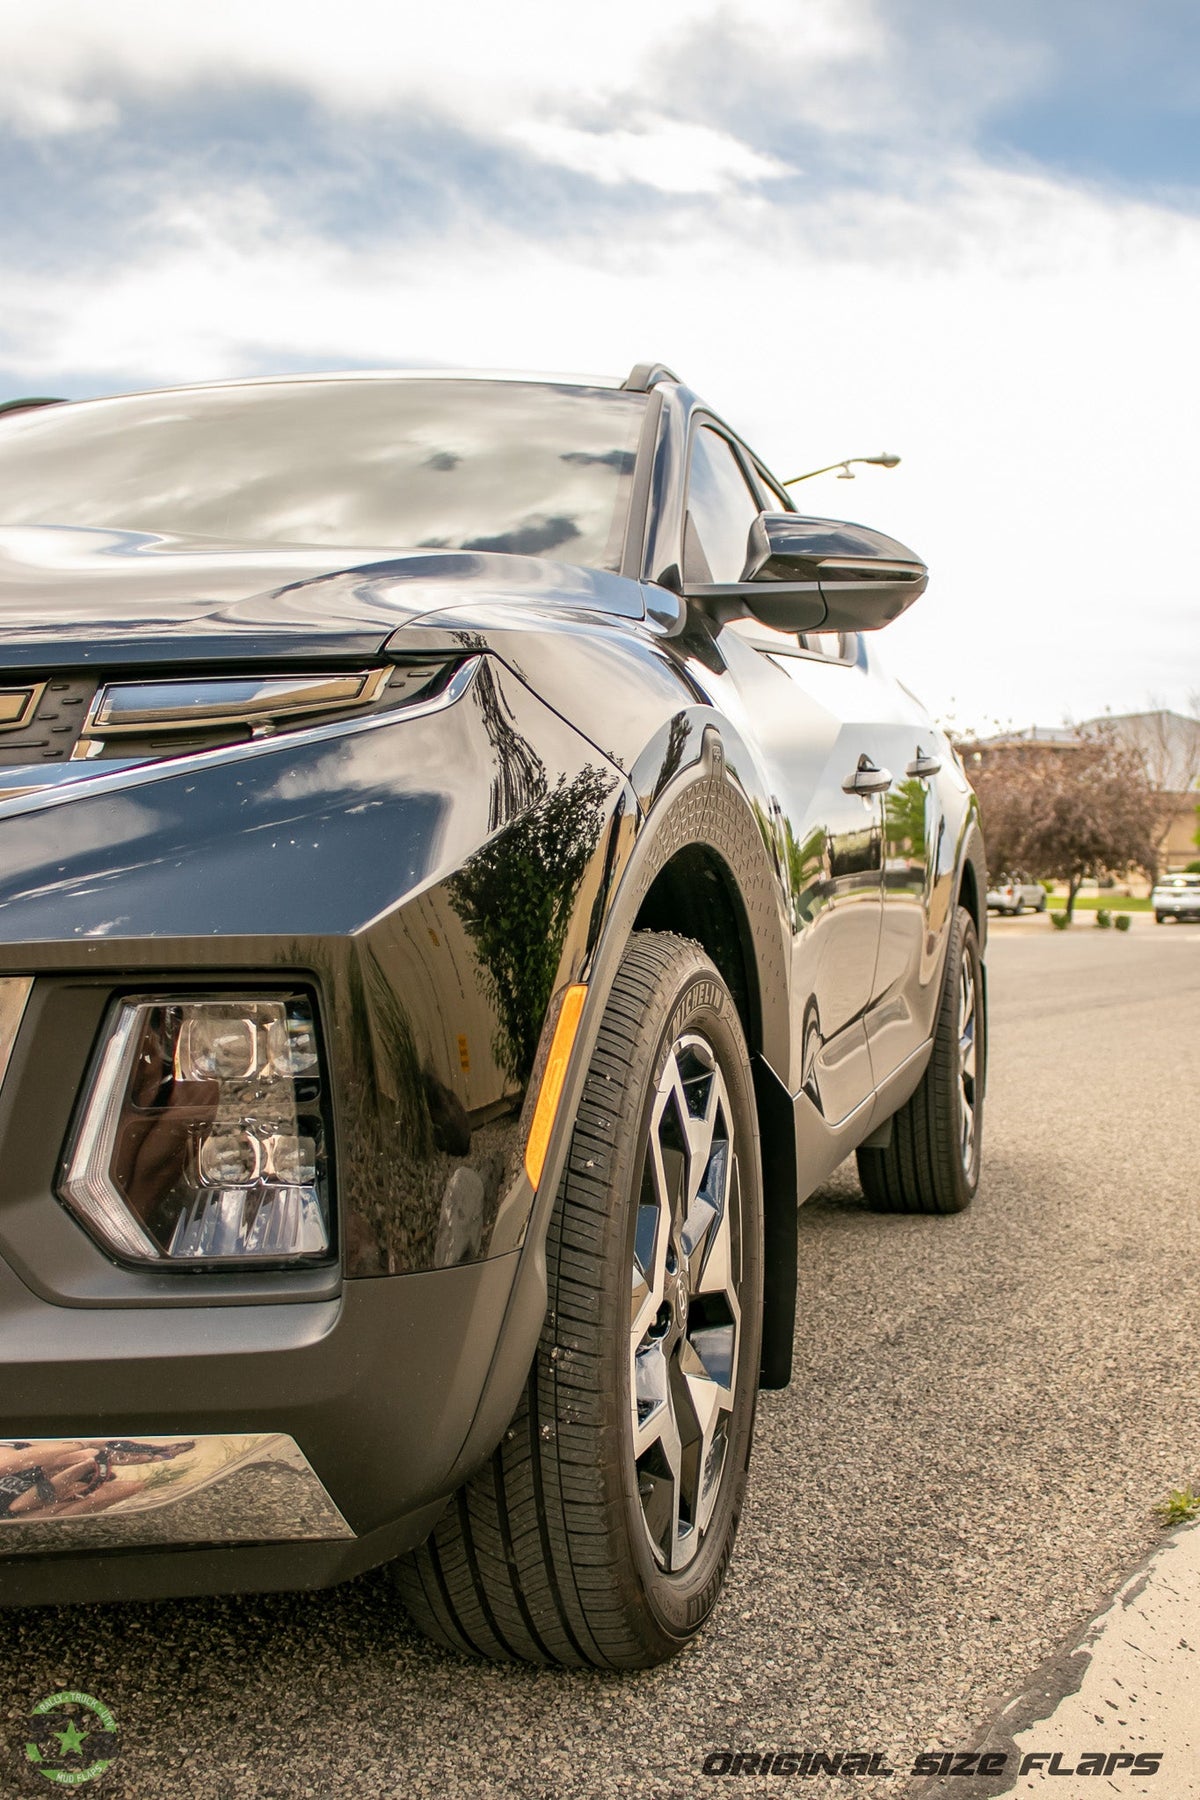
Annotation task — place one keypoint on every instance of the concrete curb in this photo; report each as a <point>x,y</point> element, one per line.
<point>1129,1683</point>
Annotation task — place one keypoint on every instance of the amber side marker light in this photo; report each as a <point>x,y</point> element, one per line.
<point>552,1081</point>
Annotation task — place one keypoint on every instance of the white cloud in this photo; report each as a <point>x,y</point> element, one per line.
<point>1027,348</point>
<point>485,64</point>
<point>662,153</point>
<point>1027,345</point>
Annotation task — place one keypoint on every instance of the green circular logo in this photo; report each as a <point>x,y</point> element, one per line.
<point>73,1738</point>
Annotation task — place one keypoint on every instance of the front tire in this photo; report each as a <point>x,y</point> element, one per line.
<point>931,1163</point>
<point>601,1530</point>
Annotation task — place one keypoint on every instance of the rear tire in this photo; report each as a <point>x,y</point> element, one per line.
<point>601,1529</point>
<point>931,1163</point>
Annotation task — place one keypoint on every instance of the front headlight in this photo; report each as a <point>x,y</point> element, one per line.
<point>202,1134</point>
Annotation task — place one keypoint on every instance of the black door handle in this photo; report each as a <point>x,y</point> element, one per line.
<point>922,766</point>
<point>867,778</point>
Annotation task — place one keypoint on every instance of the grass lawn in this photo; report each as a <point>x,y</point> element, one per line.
<point>1092,902</point>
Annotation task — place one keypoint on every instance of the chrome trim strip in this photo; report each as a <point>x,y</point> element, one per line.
<point>14,992</point>
<point>92,1197</point>
<point>149,706</point>
<point>88,778</point>
<point>133,1493</point>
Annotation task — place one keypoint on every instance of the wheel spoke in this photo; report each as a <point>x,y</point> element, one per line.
<point>710,1402</point>
<point>652,1396</point>
<point>966,1052</point>
<point>659,1457</point>
<point>655,1221</point>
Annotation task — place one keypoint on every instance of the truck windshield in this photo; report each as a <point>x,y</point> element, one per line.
<point>531,468</point>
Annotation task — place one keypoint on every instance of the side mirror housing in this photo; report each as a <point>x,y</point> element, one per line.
<point>818,575</point>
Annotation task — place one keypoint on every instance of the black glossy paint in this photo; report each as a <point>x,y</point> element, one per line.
<point>614,756</point>
<point>91,599</point>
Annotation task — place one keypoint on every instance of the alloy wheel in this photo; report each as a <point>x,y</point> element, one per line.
<point>968,1060</point>
<point>685,1319</point>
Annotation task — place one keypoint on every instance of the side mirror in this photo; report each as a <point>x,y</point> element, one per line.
<point>819,575</point>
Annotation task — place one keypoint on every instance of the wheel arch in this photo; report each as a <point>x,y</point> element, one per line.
<point>968,891</point>
<point>709,875</point>
<point>696,895</point>
<point>972,883</point>
<point>972,893</point>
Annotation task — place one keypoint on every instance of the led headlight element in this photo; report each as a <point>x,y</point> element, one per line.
<point>202,1134</point>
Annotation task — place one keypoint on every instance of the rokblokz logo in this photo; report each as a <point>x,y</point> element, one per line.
<point>72,1738</point>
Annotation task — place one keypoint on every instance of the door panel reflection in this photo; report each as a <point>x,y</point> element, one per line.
<point>806,717</point>
<point>449,997</point>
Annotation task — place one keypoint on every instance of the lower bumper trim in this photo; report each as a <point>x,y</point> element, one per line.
<point>115,1493</point>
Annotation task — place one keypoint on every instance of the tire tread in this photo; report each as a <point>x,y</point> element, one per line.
<point>919,1170</point>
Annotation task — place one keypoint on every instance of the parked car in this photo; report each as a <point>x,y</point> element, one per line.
<point>1176,897</point>
<point>1012,892</point>
<point>445,827</point>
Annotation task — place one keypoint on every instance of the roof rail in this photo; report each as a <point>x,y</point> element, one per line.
<point>642,377</point>
<point>7,406</point>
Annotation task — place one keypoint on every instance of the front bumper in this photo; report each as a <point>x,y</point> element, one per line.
<point>325,1434</point>
<point>336,864</point>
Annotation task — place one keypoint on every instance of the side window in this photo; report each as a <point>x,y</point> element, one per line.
<point>720,511</point>
<point>774,498</point>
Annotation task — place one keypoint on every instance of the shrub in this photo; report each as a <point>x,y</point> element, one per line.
<point>1059,920</point>
<point>1103,918</point>
<point>1180,1507</point>
<point>1122,921</point>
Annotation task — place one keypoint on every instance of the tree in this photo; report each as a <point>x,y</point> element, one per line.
<point>1082,806</point>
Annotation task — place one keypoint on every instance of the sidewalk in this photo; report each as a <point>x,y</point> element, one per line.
<point>1129,1686</point>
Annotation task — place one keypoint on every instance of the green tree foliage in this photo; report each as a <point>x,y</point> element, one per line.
<point>1072,811</point>
<point>905,818</point>
<point>514,898</point>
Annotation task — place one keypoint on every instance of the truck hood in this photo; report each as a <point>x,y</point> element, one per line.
<point>74,598</point>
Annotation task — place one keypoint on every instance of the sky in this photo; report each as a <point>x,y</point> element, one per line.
<point>964,232</point>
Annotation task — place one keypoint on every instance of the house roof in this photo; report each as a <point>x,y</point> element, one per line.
<point>1168,742</point>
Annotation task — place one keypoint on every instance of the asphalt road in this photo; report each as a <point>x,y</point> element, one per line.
<point>984,1411</point>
